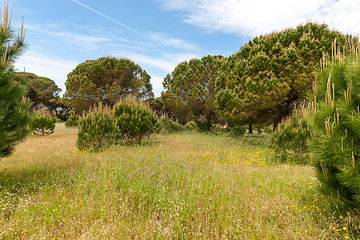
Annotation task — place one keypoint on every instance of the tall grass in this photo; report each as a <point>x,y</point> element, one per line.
<point>178,186</point>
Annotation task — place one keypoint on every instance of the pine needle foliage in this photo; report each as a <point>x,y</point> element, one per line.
<point>73,120</point>
<point>336,125</point>
<point>126,123</point>
<point>134,119</point>
<point>14,118</point>
<point>167,125</point>
<point>43,123</point>
<point>290,138</point>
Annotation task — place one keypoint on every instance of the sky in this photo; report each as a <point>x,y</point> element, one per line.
<point>158,34</point>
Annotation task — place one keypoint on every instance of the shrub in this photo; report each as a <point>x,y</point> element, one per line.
<point>97,129</point>
<point>169,126</point>
<point>73,120</point>
<point>129,121</point>
<point>134,120</point>
<point>190,126</point>
<point>289,139</point>
<point>43,123</point>
<point>237,131</point>
<point>336,128</point>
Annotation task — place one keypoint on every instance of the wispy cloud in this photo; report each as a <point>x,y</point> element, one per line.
<point>108,17</point>
<point>254,17</point>
<point>81,41</point>
<point>165,40</point>
<point>41,65</point>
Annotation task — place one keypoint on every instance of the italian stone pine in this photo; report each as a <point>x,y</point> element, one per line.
<point>14,118</point>
<point>272,74</point>
<point>190,91</point>
<point>105,80</point>
<point>336,126</point>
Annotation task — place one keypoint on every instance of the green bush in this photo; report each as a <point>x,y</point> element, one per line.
<point>134,120</point>
<point>128,122</point>
<point>43,123</point>
<point>237,131</point>
<point>73,120</point>
<point>290,138</point>
<point>336,128</point>
<point>190,126</point>
<point>167,125</point>
<point>97,129</point>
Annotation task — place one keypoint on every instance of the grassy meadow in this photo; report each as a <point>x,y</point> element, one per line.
<point>175,186</point>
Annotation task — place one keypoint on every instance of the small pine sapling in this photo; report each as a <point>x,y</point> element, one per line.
<point>97,129</point>
<point>134,120</point>
<point>42,123</point>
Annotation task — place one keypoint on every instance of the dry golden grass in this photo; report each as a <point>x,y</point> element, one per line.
<point>179,186</point>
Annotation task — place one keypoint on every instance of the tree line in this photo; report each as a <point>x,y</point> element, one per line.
<point>258,85</point>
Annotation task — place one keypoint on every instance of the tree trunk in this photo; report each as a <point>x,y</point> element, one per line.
<point>275,124</point>
<point>250,128</point>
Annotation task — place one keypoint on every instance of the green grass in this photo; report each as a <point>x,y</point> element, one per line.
<point>176,186</point>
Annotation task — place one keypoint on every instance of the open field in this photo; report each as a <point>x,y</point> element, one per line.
<point>178,186</point>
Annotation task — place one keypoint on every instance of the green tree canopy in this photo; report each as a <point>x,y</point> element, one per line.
<point>271,74</point>
<point>105,80</point>
<point>190,89</point>
<point>14,118</point>
<point>42,91</point>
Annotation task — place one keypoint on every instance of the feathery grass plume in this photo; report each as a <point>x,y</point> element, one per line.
<point>336,125</point>
<point>42,123</point>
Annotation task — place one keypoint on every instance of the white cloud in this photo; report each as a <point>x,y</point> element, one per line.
<point>164,40</point>
<point>254,17</point>
<point>156,81</point>
<point>44,66</point>
<point>81,41</point>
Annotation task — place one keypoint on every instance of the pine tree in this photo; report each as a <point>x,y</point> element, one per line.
<point>13,107</point>
<point>336,126</point>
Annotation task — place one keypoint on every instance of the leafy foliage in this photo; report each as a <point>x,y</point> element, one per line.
<point>271,74</point>
<point>14,118</point>
<point>128,122</point>
<point>190,90</point>
<point>43,123</point>
<point>336,126</point>
<point>105,80</point>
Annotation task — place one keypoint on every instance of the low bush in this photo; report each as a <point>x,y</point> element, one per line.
<point>43,123</point>
<point>97,129</point>
<point>167,125</point>
<point>73,120</point>
<point>134,120</point>
<point>237,131</point>
<point>128,122</point>
<point>290,138</point>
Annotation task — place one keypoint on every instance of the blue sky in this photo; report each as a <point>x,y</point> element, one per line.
<point>158,34</point>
